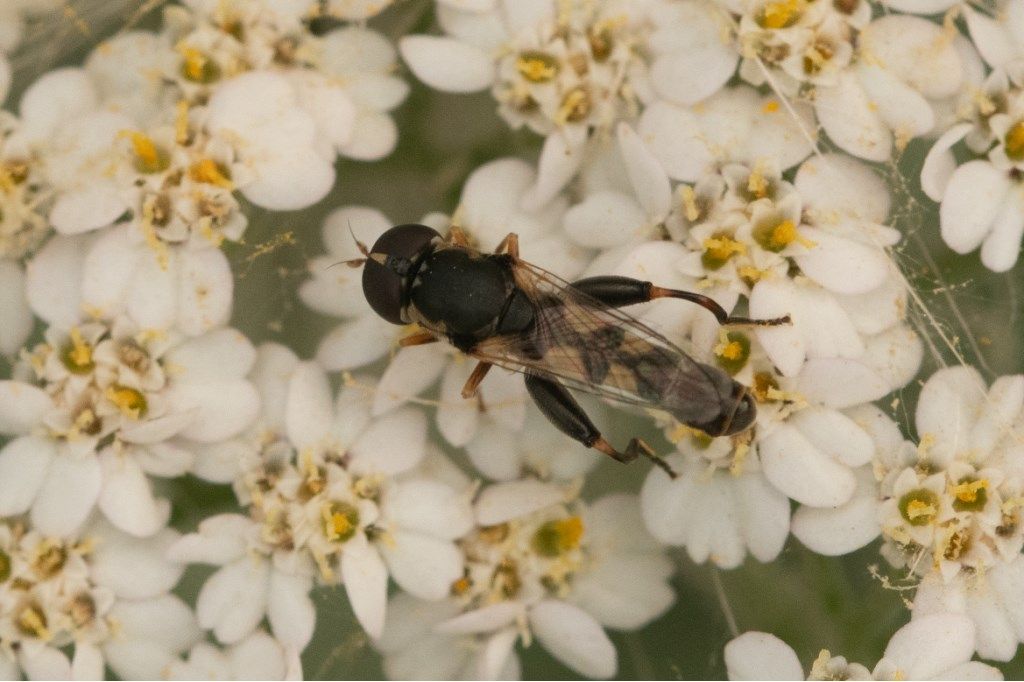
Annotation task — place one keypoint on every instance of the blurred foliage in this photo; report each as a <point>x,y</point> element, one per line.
<point>810,601</point>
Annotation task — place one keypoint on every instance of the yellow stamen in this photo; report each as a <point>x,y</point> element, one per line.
<point>129,401</point>
<point>341,521</point>
<point>757,184</point>
<point>917,509</point>
<point>776,237</point>
<point>537,67</point>
<point>77,357</point>
<point>968,492</point>
<point>461,586</point>
<point>690,206</point>
<point>781,14</point>
<point>32,621</point>
<point>732,350</point>
<point>212,173</point>
<point>181,122</point>
<point>148,157</point>
<point>770,107</point>
<point>719,249</point>
<point>1015,142</point>
<point>558,537</point>
<point>575,106</point>
<point>198,67</point>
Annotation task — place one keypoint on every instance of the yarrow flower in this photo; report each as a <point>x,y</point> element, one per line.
<point>933,648</point>
<point>103,593</point>
<point>106,406</point>
<point>540,564</point>
<point>330,496</point>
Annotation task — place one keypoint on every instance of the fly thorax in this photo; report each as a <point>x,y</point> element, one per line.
<point>459,293</point>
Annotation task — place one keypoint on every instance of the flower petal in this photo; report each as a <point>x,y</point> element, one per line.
<point>801,471</point>
<point>572,636</point>
<point>366,583</point>
<point>205,290</point>
<point>23,466</point>
<point>127,497</point>
<point>22,407</point>
<point>290,609</point>
<point>974,197</point>
<point>761,656</point>
<point>447,64</point>
<point>67,496</point>
<point>423,566</point>
<point>391,444</point>
<point>233,600</point>
<point>503,502</point>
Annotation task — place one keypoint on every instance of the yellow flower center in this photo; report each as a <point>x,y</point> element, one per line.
<point>536,66</point>
<point>970,495</point>
<point>558,537</point>
<point>733,351</point>
<point>765,387</point>
<point>719,249</point>
<point>919,507</point>
<point>82,610</point>
<point>781,14</point>
<point>50,559</point>
<point>77,355</point>
<point>575,106</point>
<point>149,158</point>
<point>461,586</point>
<point>129,401</point>
<point>1015,142</point>
<point>197,67</point>
<point>32,622</point>
<point>776,237</point>
<point>341,521</point>
<point>5,566</point>
<point>212,173</point>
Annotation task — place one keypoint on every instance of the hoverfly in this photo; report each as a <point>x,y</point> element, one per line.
<point>501,310</point>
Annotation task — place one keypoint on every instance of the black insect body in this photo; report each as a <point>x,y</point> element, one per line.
<point>504,311</point>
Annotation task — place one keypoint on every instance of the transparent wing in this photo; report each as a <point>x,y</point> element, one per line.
<point>588,346</point>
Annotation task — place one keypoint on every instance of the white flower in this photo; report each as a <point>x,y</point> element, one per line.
<point>953,505</point>
<point>412,648</point>
<point>260,114</point>
<point>540,567</point>
<point>119,271</point>
<point>502,453</point>
<point>24,193</point>
<point>933,648</point>
<point>323,503</point>
<point>735,126</point>
<point>258,656</point>
<point>91,592</point>
<point>109,406</point>
<point>999,38</point>
<point>988,600</point>
<point>981,202</point>
<point>15,315</point>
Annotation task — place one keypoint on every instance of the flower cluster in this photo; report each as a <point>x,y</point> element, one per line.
<point>731,149</point>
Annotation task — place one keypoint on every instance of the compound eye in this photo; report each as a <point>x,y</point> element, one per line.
<point>383,287</point>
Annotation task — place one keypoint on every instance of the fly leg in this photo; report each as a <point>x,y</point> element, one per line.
<point>417,339</point>
<point>622,291</point>
<point>510,244</point>
<point>478,374</point>
<point>457,236</point>
<point>565,413</point>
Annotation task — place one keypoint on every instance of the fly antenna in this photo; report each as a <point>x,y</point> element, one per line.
<point>354,262</point>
